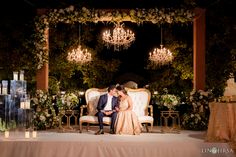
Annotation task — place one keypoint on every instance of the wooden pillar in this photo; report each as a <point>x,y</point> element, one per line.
<point>42,74</point>
<point>199,48</point>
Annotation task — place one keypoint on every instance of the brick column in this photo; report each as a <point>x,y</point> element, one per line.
<point>42,74</point>
<point>199,46</point>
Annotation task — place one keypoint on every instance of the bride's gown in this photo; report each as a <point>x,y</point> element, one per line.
<point>127,121</point>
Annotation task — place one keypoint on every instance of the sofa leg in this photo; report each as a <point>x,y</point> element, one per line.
<point>151,127</point>
<point>147,127</point>
<point>87,127</point>
<point>80,127</point>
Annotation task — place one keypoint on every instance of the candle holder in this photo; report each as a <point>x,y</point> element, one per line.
<point>22,75</point>
<point>4,87</point>
<point>34,134</point>
<point>27,134</point>
<point>6,134</point>
<point>15,75</point>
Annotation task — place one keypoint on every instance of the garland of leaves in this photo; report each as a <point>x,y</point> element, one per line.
<point>84,15</point>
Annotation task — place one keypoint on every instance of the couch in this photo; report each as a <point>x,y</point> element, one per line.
<point>140,97</point>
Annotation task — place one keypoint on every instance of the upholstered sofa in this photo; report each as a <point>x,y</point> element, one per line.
<point>141,98</point>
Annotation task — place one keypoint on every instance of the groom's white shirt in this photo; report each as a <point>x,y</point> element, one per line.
<point>108,105</point>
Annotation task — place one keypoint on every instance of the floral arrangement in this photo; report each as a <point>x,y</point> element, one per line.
<point>44,111</point>
<point>70,15</point>
<point>68,101</point>
<point>197,118</point>
<point>165,99</point>
<point>169,100</point>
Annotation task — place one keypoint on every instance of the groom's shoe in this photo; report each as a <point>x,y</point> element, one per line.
<point>99,132</point>
<point>112,131</point>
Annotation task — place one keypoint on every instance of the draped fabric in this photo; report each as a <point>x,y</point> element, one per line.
<point>222,122</point>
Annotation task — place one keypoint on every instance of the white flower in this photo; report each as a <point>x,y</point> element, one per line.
<point>42,118</point>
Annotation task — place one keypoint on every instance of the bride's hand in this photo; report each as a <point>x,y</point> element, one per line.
<point>117,109</point>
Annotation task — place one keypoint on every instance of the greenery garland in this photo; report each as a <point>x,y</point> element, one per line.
<point>84,15</point>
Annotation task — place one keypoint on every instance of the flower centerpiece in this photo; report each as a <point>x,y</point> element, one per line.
<point>169,100</point>
<point>67,101</point>
<point>164,99</point>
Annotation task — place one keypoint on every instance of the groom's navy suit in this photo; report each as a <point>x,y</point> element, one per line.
<point>101,105</point>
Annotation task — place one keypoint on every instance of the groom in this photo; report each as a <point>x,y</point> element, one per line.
<point>107,105</point>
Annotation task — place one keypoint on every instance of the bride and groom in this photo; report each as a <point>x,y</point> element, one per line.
<point>123,119</point>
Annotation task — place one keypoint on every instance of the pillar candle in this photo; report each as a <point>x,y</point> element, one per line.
<point>27,134</point>
<point>15,75</point>
<point>34,134</point>
<point>6,134</point>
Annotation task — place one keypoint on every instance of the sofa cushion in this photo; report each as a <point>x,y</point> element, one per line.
<point>94,119</point>
<point>92,97</point>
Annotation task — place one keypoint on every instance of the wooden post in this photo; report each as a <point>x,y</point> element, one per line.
<point>199,46</point>
<point>42,74</point>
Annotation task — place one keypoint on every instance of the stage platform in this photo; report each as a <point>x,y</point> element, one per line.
<point>54,143</point>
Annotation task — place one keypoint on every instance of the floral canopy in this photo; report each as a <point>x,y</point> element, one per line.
<point>84,15</point>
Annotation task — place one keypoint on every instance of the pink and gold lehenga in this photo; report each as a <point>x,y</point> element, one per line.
<point>127,121</point>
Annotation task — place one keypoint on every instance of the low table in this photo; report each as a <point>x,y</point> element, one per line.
<point>170,121</point>
<point>68,114</point>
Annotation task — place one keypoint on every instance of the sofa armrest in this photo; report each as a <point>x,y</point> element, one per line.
<point>150,108</point>
<point>82,110</point>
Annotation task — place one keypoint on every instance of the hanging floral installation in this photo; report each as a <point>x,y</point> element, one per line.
<point>85,15</point>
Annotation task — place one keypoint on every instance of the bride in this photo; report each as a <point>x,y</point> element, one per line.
<point>126,121</point>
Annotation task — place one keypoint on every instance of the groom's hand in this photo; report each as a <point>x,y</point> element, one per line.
<point>108,112</point>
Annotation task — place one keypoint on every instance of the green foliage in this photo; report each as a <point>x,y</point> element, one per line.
<point>100,72</point>
<point>4,126</point>
<point>44,111</point>
<point>197,118</point>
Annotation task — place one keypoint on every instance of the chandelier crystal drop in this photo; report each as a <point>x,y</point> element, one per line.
<point>160,57</point>
<point>119,37</point>
<point>79,55</point>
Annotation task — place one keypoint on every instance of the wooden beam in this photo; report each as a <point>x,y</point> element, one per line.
<point>199,46</point>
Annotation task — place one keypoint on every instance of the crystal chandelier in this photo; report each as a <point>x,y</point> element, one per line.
<point>79,55</point>
<point>119,38</point>
<point>162,56</point>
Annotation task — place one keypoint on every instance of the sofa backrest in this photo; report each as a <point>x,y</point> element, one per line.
<point>140,97</point>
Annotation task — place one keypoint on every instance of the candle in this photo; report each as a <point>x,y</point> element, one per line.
<point>27,105</point>
<point>15,75</point>
<point>22,105</point>
<point>34,134</point>
<point>4,91</point>
<point>27,134</point>
<point>6,134</point>
<point>22,75</point>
